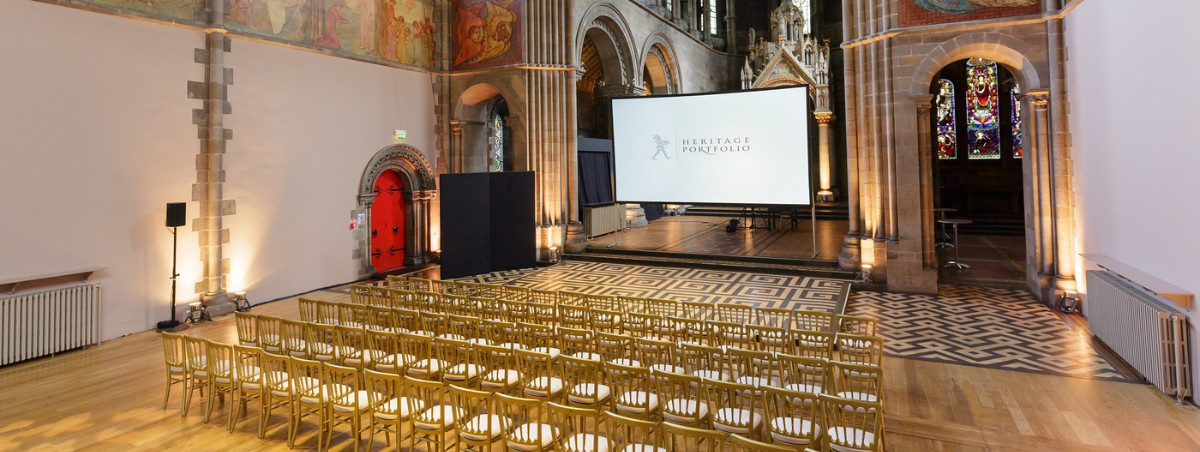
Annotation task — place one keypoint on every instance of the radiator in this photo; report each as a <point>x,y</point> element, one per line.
<point>43,323</point>
<point>1144,328</point>
<point>598,221</point>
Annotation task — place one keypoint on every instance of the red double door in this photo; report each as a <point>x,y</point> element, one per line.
<point>387,223</point>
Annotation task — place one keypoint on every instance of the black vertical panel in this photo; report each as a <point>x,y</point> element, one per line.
<point>513,232</point>
<point>466,239</point>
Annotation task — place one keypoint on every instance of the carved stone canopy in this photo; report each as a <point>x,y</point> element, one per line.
<point>414,169</point>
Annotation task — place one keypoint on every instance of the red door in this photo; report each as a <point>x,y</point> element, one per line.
<point>387,223</point>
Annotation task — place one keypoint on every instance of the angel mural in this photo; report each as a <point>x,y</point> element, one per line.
<point>485,30</point>
<point>966,6</point>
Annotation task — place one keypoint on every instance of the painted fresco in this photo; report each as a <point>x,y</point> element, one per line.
<point>487,33</point>
<point>179,11</point>
<point>929,12</point>
<point>399,31</point>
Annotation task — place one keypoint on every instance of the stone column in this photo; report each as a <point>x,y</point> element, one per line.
<point>925,155</point>
<point>677,13</point>
<point>1039,221</point>
<point>691,15</point>
<point>824,169</point>
<point>731,41</point>
<point>456,146</point>
<point>417,221</point>
<point>1060,161</point>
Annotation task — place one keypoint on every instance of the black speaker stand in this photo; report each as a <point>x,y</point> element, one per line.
<point>173,325</point>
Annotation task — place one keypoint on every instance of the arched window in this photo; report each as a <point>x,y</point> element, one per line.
<point>983,110</point>
<point>944,104</point>
<point>495,143</point>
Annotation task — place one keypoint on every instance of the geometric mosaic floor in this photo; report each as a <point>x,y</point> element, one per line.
<point>681,284</point>
<point>1001,328</point>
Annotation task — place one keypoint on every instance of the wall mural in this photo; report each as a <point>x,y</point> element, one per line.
<point>929,12</point>
<point>179,11</point>
<point>487,33</point>
<point>398,31</point>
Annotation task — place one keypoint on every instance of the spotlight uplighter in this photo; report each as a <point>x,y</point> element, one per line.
<point>864,276</point>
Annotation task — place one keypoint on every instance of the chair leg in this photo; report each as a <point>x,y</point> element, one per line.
<point>234,413</point>
<point>208,403</point>
<point>264,414</point>
<point>292,427</point>
<point>167,396</point>
<point>188,388</point>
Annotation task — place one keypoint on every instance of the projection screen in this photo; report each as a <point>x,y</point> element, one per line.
<point>743,148</point>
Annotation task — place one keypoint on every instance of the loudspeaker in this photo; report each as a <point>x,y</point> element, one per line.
<point>732,226</point>
<point>176,214</point>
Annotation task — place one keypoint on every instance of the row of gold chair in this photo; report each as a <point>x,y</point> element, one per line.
<point>535,420</point>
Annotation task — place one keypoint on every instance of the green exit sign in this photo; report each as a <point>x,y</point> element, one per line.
<point>401,135</point>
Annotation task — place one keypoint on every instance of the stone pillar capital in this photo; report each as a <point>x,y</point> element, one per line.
<point>1039,98</point>
<point>824,118</point>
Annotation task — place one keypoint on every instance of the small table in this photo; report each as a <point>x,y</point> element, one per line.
<point>954,222</point>
<point>943,241</point>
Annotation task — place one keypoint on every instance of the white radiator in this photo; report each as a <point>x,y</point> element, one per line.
<point>598,221</point>
<point>43,323</point>
<point>1144,328</point>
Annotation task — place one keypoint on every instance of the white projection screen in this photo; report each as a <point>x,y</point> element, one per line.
<point>743,148</point>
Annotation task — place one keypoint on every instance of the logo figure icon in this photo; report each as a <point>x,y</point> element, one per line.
<point>660,145</point>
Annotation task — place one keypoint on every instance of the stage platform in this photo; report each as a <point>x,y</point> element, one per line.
<point>703,242</point>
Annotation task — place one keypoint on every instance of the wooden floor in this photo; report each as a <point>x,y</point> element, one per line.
<point>110,398</point>
<point>707,235</point>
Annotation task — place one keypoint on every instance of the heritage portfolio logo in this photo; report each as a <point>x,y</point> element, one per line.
<point>701,146</point>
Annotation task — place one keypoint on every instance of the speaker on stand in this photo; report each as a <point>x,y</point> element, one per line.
<point>176,217</point>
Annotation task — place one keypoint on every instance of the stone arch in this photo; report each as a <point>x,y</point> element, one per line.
<point>609,31</point>
<point>469,130</point>
<point>1005,50</point>
<point>658,55</point>
<point>419,188</point>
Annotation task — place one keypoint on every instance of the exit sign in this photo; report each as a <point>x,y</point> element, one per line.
<point>401,135</point>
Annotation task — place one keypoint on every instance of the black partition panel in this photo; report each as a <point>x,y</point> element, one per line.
<point>487,223</point>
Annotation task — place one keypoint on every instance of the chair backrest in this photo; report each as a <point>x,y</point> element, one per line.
<point>419,284</point>
<point>577,428</point>
<point>858,349</point>
<point>771,338</point>
<point>754,367</point>
<point>434,323</point>
<point>466,288</point>
<point>574,316</point>
<point>196,351</point>
<point>733,313</point>
<point>681,397</point>
<point>427,401</point>
<point>306,378</point>
<point>442,286</point>
<point>352,314</point>
<point>379,318</point>
<point>537,335</point>
<point>690,330</point>
<point>802,373</point>
<point>514,310</point>
<point>383,389</point>
<point>173,351</point>
<point>657,352</point>
<point>549,297</point>
<point>628,304</point>
<point>631,387</point>
<point>489,308</point>
<point>606,312</point>
<point>865,326</point>
<point>351,343</point>
<point>662,307</point>
<point>681,437</point>
<point>418,346</point>
<point>813,344</point>
<point>401,298</point>
<point>247,367</point>
<point>454,352</point>
<point>427,301</point>
<point>222,364</point>
<point>277,371</point>
<point>514,293</point>
<point>813,320</point>
<point>731,334</point>
<point>493,358</point>
<point>459,305</point>
<point>269,337</point>
<point>734,405</point>
<point>380,296</point>
<point>792,414</point>
<point>382,346</point>
<point>522,412</point>
<point>697,310</point>
<point>584,380</point>
<point>739,443</point>
<point>308,309</point>
<point>342,386</point>
<point>569,298</point>
<point>294,338</point>
<point>856,381</point>
<point>466,326</point>
<point>489,290</point>
<point>615,347</point>
<point>406,320</point>
<point>625,431</point>
<point>851,423</point>
<point>321,339</point>
<point>247,328</point>
<point>474,405</point>
<point>776,317</point>
<point>576,341</point>
<point>703,358</point>
<point>397,282</point>
<point>360,294</point>
<point>499,331</point>
<point>540,313</point>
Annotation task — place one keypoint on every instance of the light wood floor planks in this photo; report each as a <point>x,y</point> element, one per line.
<point>110,398</point>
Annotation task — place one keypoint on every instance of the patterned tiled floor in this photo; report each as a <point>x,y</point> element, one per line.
<point>682,284</point>
<point>997,328</point>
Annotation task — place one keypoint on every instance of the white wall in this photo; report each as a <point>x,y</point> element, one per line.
<point>96,135</point>
<point>95,138</point>
<point>305,126</point>
<point>1131,74</point>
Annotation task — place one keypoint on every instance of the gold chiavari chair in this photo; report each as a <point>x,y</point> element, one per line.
<point>444,287</point>
<point>853,348</point>
<point>538,378</point>
<point>632,435</point>
<point>503,374</point>
<point>733,313</point>
<point>813,344</point>
<point>632,390</point>
<point>490,290</point>
<point>391,411</point>
<point>360,294</point>
<point>383,350</point>
<point>571,298</point>
<point>859,382</point>
<point>465,288</point>
<point>351,315</point>
<point>705,362</point>
<point>682,398</point>
<point>540,313</point>
<point>327,312</point>
<point>425,364</point>
<point>439,415</point>
<point>470,328</point>
<point>347,401</point>
<point>308,309</point>
<point>269,338</point>
<point>549,297</point>
<point>381,296</point>
<point>577,343</point>
<point>632,305</point>
<point>278,392</point>
<point>294,338</point>
<point>736,407</point>
<point>515,293</point>
<point>803,374</point>
<point>691,331</point>
<point>532,430</point>
<point>812,320</point>
<point>481,425</point>
<point>397,282</point>
<point>321,346</point>
<point>577,429</point>
<point>436,323</point>
<point>406,321</point>
<point>379,318</point>
<point>606,312</point>
<point>584,381</point>
<point>462,366</point>
<point>678,437</point>
<point>572,316</point>
<point>864,326</point>
<point>351,344</point>
<point>696,310</point>
<point>776,317</point>
<point>616,348</point>
<point>427,302</point>
<point>196,353</point>
<point>501,333</point>
<point>309,398</point>
<point>663,310</point>
<point>739,443</point>
<point>222,375</point>
<point>402,299</point>
<point>851,425</point>
<point>540,338</point>
<point>458,305</point>
<point>731,334</point>
<point>771,339</point>
<point>250,384</point>
<point>247,328</point>
<point>792,417</point>
<point>419,284</point>
<point>490,308</point>
<point>514,310</point>
<point>754,368</point>
<point>659,355</point>
<point>175,358</point>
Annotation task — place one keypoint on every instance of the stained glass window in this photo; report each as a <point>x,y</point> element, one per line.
<point>983,94</point>
<point>944,102</point>
<point>1018,149</point>
<point>712,18</point>
<point>806,7</point>
<point>496,144</point>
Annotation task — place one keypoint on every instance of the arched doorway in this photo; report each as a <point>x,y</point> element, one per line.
<point>483,132</point>
<point>393,211</point>
<point>387,223</point>
<point>658,74</point>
